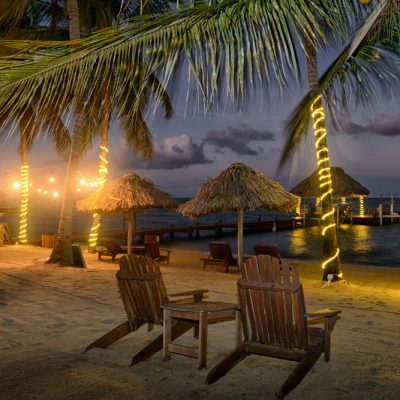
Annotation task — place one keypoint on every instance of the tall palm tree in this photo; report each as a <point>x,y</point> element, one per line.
<point>371,42</point>
<point>24,21</point>
<point>100,14</point>
<point>227,45</point>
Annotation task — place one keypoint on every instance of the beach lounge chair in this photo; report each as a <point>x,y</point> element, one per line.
<point>220,254</point>
<point>109,247</point>
<point>275,322</point>
<point>153,250</point>
<point>267,249</point>
<point>143,292</point>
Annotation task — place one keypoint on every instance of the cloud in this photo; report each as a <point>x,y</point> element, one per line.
<point>174,152</point>
<point>384,125</point>
<point>238,139</point>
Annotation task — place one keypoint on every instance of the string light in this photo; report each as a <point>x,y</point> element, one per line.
<point>23,216</point>
<point>361,205</point>
<point>103,171</point>
<point>52,180</point>
<point>324,171</point>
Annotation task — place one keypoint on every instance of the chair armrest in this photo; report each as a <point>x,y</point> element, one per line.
<point>167,250</point>
<point>197,294</point>
<point>328,317</point>
<point>326,312</point>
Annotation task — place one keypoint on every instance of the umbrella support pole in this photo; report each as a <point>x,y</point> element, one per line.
<point>240,238</point>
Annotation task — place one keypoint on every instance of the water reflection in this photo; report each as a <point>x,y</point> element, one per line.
<point>358,236</point>
<point>301,241</point>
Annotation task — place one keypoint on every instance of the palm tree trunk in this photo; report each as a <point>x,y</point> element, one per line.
<point>62,252</point>
<point>73,16</point>
<point>330,249</point>
<point>103,164</point>
<point>24,187</point>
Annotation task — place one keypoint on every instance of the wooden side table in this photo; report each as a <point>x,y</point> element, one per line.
<point>204,312</point>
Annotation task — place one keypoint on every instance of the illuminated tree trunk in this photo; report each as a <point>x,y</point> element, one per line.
<point>62,252</point>
<point>103,164</point>
<point>24,187</point>
<point>330,249</point>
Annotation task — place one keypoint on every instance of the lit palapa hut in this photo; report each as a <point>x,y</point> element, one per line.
<point>343,186</point>
<point>239,188</point>
<point>130,194</point>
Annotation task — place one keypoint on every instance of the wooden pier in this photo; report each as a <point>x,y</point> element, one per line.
<point>194,230</point>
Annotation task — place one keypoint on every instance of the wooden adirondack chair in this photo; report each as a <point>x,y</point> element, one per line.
<point>220,254</point>
<point>267,249</point>
<point>275,322</point>
<point>143,292</point>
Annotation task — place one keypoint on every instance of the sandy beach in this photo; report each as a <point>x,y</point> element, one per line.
<point>49,314</point>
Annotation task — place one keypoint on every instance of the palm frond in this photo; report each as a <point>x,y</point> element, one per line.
<point>228,46</point>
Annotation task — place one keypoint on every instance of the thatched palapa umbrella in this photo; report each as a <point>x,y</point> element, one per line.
<point>239,188</point>
<point>131,194</point>
<point>343,185</point>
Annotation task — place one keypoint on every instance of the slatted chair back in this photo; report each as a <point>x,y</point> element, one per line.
<point>267,249</point>
<point>272,304</point>
<point>152,249</point>
<point>151,239</point>
<point>221,251</point>
<point>142,289</point>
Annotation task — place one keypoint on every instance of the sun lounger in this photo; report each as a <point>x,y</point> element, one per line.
<point>220,254</point>
<point>110,248</point>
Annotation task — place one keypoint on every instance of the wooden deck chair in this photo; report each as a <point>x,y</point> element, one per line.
<point>153,250</point>
<point>143,292</point>
<point>267,249</point>
<point>275,322</point>
<point>110,248</point>
<point>220,254</point>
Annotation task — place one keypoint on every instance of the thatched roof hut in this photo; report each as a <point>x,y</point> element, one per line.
<point>239,188</point>
<point>131,194</point>
<point>343,185</point>
<point>128,193</point>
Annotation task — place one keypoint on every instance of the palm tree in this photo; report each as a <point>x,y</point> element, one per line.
<point>99,15</point>
<point>227,45</point>
<point>370,43</point>
<point>25,22</point>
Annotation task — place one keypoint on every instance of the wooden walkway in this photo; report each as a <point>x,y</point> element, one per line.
<point>193,230</point>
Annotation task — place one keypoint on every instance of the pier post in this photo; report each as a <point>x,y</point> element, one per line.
<point>391,209</point>
<point>240,237</point>
<point>171,233</point>
<point>190,231</point>
<point>380,214</point>
<point>197,230</point>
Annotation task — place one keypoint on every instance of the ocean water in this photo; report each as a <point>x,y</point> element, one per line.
<point>375,245</point>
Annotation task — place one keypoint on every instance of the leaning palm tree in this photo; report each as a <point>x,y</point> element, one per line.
<point>228,46</point>
<point>371,42</point>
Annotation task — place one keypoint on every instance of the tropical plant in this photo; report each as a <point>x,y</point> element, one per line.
<point>25,23</point>
<point>377,39</point>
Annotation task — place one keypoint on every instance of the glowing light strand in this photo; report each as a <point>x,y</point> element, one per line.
<point>324,171</point>
<point>103,171</point>
<point>361,205</point>
<point>23,216</point>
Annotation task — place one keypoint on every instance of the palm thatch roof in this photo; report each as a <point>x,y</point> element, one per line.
<point>128,193</point>
<point>343,185</point>
<point>239,187</point>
